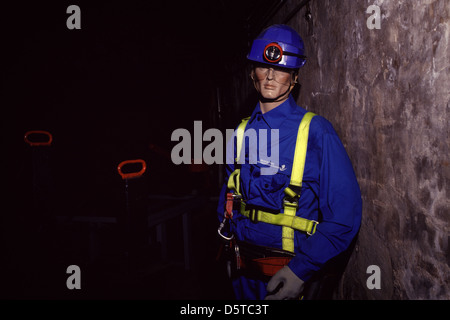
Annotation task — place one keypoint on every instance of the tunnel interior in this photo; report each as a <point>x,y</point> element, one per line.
<point>136,71</point>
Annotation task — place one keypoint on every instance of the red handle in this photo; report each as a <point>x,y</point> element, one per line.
<point>42,143</point>
<point>131,174</point>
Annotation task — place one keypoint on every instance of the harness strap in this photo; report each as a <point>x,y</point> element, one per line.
<point>240,137</point>
<point>301,146</point>
<point>233,181</point>
<point>280,219</point>
<point>288,219</point>
<point>290,204</point>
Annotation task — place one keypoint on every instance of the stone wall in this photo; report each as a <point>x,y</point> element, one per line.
<point>386,91</point>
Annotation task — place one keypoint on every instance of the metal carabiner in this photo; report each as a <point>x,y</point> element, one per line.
<point>221,226</point>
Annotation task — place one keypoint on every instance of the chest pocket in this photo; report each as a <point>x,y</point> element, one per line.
<point>265,191</point>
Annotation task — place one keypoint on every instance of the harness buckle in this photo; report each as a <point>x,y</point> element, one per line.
<point>237,196</point>
<point>290,202</point>
<point>253,215</point>
<point>313,229</point>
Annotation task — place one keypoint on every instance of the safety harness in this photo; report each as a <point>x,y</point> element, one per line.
<point>288,219</point>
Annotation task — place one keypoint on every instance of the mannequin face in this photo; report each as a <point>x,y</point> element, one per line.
<point>273,83</point>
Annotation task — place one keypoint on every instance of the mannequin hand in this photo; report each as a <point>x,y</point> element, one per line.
<point>291,285</point>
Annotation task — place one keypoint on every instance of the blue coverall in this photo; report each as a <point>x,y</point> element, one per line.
<point>330,194</point>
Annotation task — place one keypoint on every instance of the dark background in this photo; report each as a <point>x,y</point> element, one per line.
<point>136,71</point>
<point>139,69</point>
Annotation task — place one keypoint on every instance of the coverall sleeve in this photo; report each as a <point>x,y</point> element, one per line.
<point>340,207</point>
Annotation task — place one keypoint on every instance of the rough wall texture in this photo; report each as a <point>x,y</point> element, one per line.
<point>387,93</point>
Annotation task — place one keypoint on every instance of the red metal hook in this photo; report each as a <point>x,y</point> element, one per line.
<point>131,174</point>
<point>42,143</point>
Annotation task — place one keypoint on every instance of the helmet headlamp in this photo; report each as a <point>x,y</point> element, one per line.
<point>273,53</point>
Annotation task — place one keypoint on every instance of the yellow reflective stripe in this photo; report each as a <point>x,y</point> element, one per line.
<point>240,137</point>
<point>301,145</point>
<point>280,219</point>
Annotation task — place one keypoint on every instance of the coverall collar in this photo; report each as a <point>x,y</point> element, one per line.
<point>275,117</point>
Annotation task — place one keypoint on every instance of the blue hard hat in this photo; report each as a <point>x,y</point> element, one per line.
<point>278,45</point>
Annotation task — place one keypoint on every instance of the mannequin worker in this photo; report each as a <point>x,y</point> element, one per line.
<point>283,226</point>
